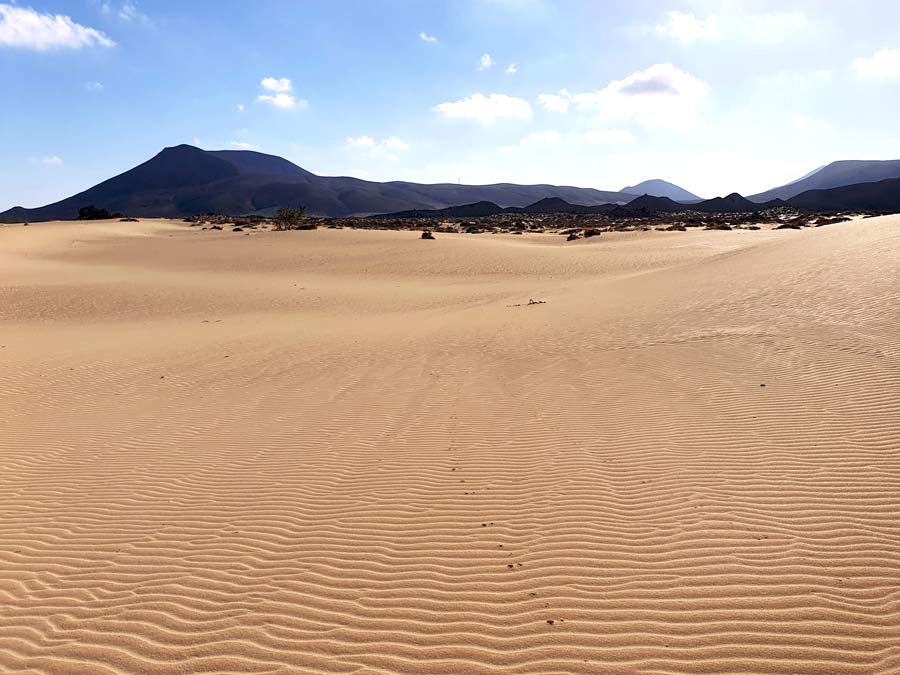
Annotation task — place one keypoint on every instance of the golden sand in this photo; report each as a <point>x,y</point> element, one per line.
<point>347,452</point>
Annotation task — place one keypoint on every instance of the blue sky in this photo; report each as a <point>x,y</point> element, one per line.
<point>715,96</point>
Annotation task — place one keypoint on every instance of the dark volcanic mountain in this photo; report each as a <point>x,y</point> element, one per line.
<point>883,195</point>
<point>185,180</point>
<point>651,204</point>
<point>476,210</point>
<point>662,188</point>
<point>479,209</point>
<point>733,203</point>
<point>836,174</point>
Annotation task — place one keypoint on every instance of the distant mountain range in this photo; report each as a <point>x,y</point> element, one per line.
<point>836,174</point>
<point>662,188</point>
<point>185,180</point>
<point>881,196</point>
<point>486,208</point>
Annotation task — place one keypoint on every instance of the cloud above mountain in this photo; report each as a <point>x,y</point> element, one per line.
<point>661,96</point>
<point>486,109</point>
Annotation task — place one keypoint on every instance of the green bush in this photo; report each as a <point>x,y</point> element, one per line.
<point>292,219</point>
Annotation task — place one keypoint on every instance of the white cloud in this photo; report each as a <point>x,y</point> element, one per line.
<point>281,96</point>
<point>27,29</point>
<point>425,37</point>
<point>279,84</point>
<point>361,141</point>
<point>286,101</point>
<point>486,109</point>
<point>558,102</point>
<point>661,96</point>
<point>197,142</point>
<point>241,145</point>
<point>93,87</point>
<point>385,149</point>
<point>687,28</point>
<point>485,62</point>
<point>883,64</point>
<point>607,136</point>
<point>763,28</point>
<point>512,69</point>
<point>240,107</point>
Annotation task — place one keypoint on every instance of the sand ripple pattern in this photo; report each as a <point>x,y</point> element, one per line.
<point>598,485</point>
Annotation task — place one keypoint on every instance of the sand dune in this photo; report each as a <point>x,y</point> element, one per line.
<point>346,452</point>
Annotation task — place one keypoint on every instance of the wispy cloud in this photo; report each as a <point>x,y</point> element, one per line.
<point>242,145</point>
<point>25,28</point>
<point>51,160</point>
<point>485,62</point>
<point>126,11</point>
<point>240,107</point>
<point>93,87</point>
<point>687,28</point>
<point>512,69</point>
<point>425,37</point>
<point>883,64</point>
<point>486,109</point>
<point>386,149</point>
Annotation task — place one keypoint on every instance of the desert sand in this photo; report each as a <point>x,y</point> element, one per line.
<point>352,452</point>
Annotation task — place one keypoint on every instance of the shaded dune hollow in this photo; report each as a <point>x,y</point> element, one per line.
<point>359,452</point>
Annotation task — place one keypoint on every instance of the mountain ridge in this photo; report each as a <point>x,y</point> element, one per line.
<point>656,187</point>
<point>184,180</point>
<point>836,174</point>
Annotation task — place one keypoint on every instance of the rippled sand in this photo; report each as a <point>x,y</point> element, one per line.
<point>347,452</point>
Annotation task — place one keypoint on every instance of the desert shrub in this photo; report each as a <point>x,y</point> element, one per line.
<point>292,219</point>
<point>93,213</point>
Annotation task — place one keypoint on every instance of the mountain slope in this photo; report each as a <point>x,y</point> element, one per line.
<point>836,174</point>
<point>878,196</point>
<point>661,188</point>
<point>185,180</point>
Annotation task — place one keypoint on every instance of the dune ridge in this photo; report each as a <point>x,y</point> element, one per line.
<point>345,452</point>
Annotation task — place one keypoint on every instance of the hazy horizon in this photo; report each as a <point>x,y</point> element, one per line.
<point>716,97</point>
